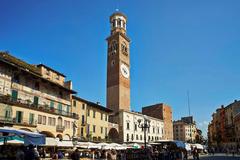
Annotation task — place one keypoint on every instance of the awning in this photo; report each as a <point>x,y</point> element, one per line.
<point>88,145</point>
<point>64,143</point>
<point>133,146</point>
<point>179,144</point>
<point>29,137</point>
<point>199,146</point>
<point>188,146</point>
<point>11,140</point>
<point>117,146</point>
<point>50,142</point>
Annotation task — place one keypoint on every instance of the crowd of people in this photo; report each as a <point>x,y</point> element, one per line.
<point>152,153</point>
<point>39,153</point>
<point>227,150</point>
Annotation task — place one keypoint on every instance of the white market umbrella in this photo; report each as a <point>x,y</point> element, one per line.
<point>87,145</point>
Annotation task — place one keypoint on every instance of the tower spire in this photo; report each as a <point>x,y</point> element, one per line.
<point>117,6</point>
<point>189,111</point>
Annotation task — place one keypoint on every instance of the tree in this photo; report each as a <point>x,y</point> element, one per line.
<point>199,137</point>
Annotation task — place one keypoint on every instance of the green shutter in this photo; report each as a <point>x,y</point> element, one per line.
<point>68,109</point>
<point>35,101</point>
<point>18,116</point>
<point>59,107</point>
<point>31,118</point>
<point>51,104</point>
<point>14,95</point>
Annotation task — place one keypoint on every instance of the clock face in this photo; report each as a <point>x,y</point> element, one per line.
<point>124,70</point>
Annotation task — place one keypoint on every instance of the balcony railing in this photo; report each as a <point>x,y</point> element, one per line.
<point>14,121</point>
<point>6,119</point>
<point>60,128</point>
<point>44,108</point>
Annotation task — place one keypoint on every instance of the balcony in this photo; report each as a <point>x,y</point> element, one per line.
<point>60,128</point>
<point>14,121</point>
<point>43,108</point>
<point>25,122</point>
<point>6,120</point>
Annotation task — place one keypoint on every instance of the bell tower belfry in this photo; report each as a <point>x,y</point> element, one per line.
<point>118,65</point>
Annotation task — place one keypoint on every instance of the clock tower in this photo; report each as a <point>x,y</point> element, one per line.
<point>118,65</point>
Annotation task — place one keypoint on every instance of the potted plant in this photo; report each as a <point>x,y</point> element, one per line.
<point>46,107</point>
<point>29,101</point>
<point>52,109</point>
<point>7,97</point>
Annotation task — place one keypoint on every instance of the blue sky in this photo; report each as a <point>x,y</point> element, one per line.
<point>176,46</point>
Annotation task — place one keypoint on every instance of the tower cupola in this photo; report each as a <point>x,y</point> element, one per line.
<point>118,22</point>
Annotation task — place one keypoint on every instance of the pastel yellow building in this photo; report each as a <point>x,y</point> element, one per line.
<point>93,122</point>
<point>185,129</point>
<point>35,98</point>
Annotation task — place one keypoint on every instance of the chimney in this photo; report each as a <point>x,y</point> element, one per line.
<point>68,84</point>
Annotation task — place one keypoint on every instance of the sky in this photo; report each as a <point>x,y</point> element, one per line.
<point>176,46</point>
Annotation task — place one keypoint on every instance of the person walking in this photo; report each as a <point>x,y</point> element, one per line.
<point>123,155</point>
<point>103,155</point>
<point>233,152</point>
<point>114,155</point>
<point>185,154</point>
<point>29,154</point>
<point>75,155</point>
<point>20,154</point>
<point>213,150</point>
<point>36,154</point>
<point>196,154</point>
<point>55,156</point>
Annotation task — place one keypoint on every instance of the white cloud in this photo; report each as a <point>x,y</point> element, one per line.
<point>204,127</point>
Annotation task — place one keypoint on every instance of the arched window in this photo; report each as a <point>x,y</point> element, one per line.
<point>8,112</point>
<point>119,22</point>
<point>128,126</point>
<point>60,121</point>
<point>113,46</point>
<point>112,62</point>
<point>113,23</point>
<point>124,48</point>
<point>124,25</point>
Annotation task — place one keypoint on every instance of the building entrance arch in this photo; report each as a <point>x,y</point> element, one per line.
<point>113,135</point>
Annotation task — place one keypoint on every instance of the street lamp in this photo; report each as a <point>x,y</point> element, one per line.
<point>145,125</point>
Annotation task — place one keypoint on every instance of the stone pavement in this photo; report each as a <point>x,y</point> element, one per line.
<point>219,156</point>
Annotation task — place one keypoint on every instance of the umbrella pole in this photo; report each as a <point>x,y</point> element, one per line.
<point>4,140</point>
